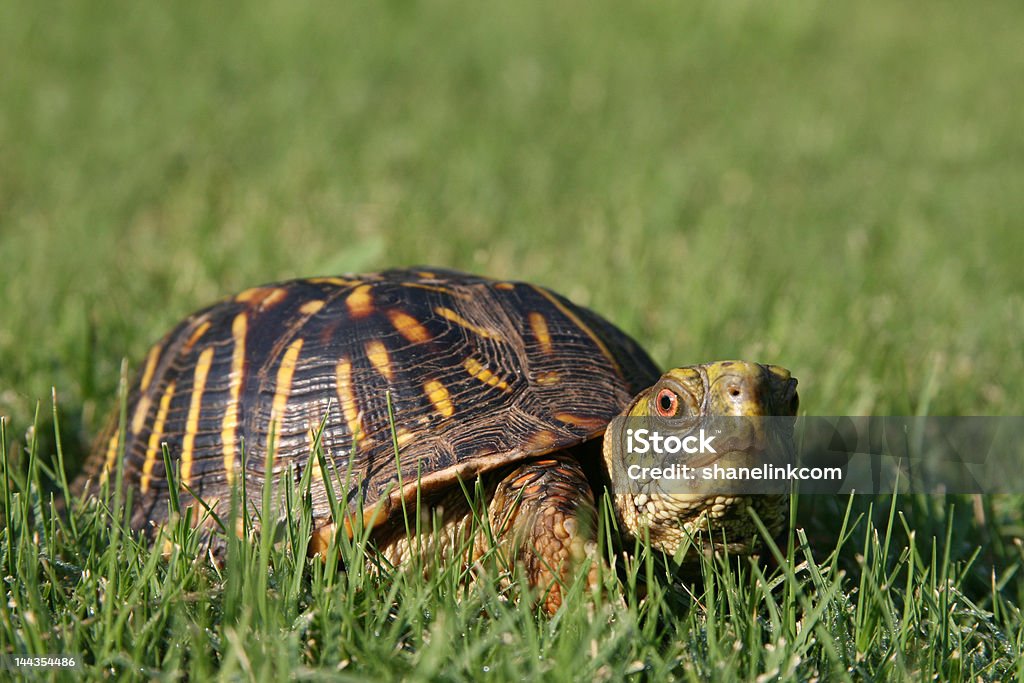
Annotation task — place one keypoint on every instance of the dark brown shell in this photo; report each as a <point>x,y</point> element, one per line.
<point>479,373</point>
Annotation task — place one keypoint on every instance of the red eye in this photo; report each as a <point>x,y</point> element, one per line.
<point>667,403</point>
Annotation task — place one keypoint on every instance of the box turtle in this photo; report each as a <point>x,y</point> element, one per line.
<point>474,380</point>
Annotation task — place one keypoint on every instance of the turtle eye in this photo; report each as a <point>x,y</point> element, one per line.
<point>667,403</point>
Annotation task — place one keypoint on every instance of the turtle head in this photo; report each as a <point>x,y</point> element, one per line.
<point>723,406</point>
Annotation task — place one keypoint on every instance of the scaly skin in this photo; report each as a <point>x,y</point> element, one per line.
<point>544,509</point>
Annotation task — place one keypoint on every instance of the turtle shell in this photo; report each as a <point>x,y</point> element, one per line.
<point>464,374</point>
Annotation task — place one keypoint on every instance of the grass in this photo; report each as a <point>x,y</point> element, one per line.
<point>833,187</point>
<point>86,586</point>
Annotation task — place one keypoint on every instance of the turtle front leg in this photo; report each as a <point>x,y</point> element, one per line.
<point>543,512</point>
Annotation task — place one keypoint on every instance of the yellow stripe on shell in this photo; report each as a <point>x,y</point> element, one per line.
<point>482,373</point>
<point>340,281</point>
<point>311,307</point>
<point>409,327</point>
<point>196,336</point>
<point>192,421</point>
<point>111,458</point>
<point>539,325</point>
<point>438,395</point>
<point>229,426</point>
<point>359,302</point>
<point>145,401</point>
<point>141,410</point>
<point>262,297</point>
<point>547,378</point>
<point>247,295</point>
<point>283,386</point>
<point>147,374</point>
<point>452,316</point>
<point>155,435</point>
<point>379,357</point>
<point>431,288</point>
<point>347,399</point>
<point>403,436</point>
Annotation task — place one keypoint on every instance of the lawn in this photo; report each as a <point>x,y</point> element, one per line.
<point>831,187</point>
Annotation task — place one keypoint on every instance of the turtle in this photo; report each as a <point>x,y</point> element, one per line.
<point>418,385</point>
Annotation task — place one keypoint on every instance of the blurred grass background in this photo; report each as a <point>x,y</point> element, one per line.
<point>833,187</point>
